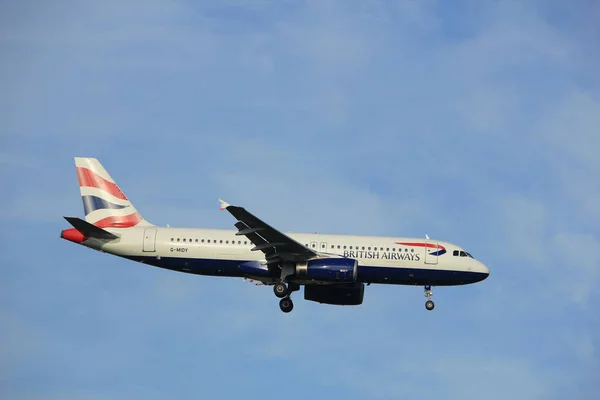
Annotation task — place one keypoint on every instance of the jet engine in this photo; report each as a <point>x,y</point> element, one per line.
<point>328,270</point>
<point>344,295</point>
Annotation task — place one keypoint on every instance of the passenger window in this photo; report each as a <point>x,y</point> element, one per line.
<point>406,250</point>
<point>184,239</point>
<point>227,242</point>
<point>322,246</point>
<point>245,242</point>
<point>202,240</point>
<point>190,240</point>
<point>363,247</point>
<point>412,250</point>
<point>388,249</point>
<point>344,247</point>
<point>369,248</point>
<point>172,239</point>
<point>220,241</point>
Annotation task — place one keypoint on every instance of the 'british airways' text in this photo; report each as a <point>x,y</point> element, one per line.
<point>382,255</point>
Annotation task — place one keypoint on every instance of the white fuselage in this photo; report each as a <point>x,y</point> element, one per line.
<point>221,252</point>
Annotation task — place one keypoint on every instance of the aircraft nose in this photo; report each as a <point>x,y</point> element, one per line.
<point>484,270</point>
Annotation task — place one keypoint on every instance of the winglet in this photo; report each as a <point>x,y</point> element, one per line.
<point>223,204</point>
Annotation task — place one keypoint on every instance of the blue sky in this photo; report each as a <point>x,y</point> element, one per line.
<point>476,123</point>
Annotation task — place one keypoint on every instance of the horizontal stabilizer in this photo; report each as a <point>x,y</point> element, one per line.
<point>89,230</point>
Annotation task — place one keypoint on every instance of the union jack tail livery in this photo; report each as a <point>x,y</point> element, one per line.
<point>104,203</point>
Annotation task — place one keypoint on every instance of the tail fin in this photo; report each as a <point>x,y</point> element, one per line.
<point>104,203</point>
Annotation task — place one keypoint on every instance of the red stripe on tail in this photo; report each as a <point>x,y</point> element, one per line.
<point>125,221</point>
<point>91,179</point>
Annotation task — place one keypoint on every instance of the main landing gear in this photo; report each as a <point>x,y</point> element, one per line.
<point>286,305</point>
<point>280,290</point>
<point>429,304</point>
<point>284,292</point>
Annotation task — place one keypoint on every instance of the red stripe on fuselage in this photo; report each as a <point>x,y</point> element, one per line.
<point>430,245</point>
<point>125,221</point>
<point>91,179</point>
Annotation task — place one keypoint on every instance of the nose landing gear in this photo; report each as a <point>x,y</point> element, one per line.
<point>429,304</point>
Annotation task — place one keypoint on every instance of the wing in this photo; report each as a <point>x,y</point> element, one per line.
<point>277,246</point>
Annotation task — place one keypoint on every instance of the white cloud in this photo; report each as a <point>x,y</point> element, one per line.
<point>578,266</point>
<point>525,223</point>
<point>571,130</point>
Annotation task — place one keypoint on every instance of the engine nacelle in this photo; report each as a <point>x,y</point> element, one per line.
<point>328,270</point>
<point>343,295</point>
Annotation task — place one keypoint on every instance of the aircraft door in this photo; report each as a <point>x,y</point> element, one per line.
<point>149,239</point>
<point>314,245</point>
<point>431,252</point>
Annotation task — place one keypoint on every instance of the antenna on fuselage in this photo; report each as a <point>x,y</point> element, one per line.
<point>427,236</point>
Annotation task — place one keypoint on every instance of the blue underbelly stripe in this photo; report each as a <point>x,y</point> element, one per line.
<point>366,274</point>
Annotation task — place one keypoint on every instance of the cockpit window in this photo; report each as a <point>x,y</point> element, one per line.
<point>462,253</point>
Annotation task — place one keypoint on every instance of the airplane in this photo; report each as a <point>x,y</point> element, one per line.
<point>332,268</point>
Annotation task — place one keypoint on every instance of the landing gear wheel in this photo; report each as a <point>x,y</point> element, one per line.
<point>429,305</point>
<point>286,305</point>
<point>280,290</point>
